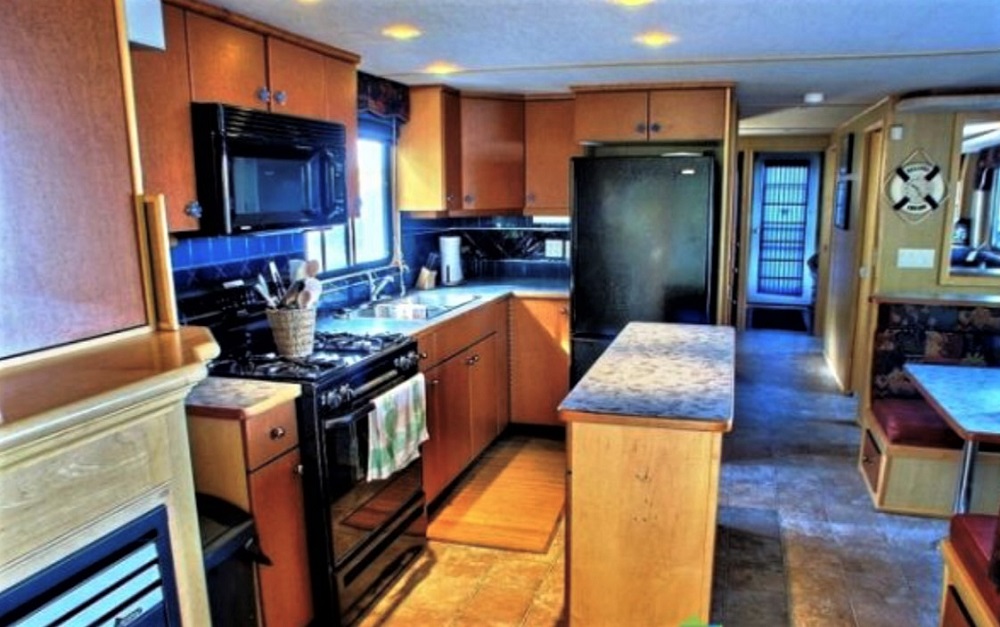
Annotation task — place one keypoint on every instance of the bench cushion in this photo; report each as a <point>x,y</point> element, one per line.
<point>914,422</point>
<point>972,536</point>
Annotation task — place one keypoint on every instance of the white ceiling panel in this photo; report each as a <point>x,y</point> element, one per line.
<point>855,51</point>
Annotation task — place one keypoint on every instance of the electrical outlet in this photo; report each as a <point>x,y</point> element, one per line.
<point>915,258</point>
<point>554,248</point>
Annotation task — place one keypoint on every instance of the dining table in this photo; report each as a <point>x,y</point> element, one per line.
<point>968,399</point>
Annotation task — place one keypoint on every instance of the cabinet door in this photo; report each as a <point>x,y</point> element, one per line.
<point>435,451</point>
<point>484,396</point>
<point>684,114</point>
<point>539,359</point>
<point>611,116</point>
<point>163,109</point>
<point>279,515</point>
<point>548,147</point>
<point>342,107</point>
<point>429,157</point>
<point>492,153</point>
<point>297,78</point>
<point>227,63</point>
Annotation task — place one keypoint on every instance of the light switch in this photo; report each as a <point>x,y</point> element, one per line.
<point>915,258</point>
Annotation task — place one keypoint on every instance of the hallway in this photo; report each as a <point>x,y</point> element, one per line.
<point>799,542</point>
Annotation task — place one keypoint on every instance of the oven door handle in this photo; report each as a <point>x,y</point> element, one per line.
<point>376,382</point>
<point>346,419</point>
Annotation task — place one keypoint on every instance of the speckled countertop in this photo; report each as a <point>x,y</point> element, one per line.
<point>238,398</point>
<point>968,396</point>
<point>485,291</point>
<point>681,372</point>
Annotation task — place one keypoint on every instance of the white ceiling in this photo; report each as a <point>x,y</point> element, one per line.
<point>855,51</point>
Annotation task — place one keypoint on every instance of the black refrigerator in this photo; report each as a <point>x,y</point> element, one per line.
<point>642,247</point>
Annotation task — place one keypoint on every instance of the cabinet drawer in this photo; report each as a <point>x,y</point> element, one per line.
<point>269,434</point>
<point>459,334</point>
<point>871,460</point>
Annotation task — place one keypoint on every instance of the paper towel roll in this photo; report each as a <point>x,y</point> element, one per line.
<point>451,259</point>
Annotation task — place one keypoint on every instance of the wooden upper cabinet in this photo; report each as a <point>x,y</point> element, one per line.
<point>341,81</point>
<point>163,110</point>
<point>548,147</point>
<point>227,63</point>
<point>429,154</point>
<point>611,116</point>
<point>296,79</point>
<point>492,153</point>
<point>657,115</point>
<point>687,114</point>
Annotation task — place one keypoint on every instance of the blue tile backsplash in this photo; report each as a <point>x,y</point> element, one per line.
<point>492,246</point>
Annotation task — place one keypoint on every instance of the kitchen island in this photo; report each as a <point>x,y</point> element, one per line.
<point>645,427</point>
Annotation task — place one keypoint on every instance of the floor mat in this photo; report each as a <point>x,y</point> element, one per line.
<point>512,499</point>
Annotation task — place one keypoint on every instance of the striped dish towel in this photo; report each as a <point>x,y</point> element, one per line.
<point>396,428</point>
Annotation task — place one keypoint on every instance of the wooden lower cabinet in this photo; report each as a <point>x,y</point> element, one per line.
<point>254,463</point>
<point>641,523</point>
<point>539,360</point>
<point>467,396</point>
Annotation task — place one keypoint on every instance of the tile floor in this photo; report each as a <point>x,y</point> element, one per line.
<point>798,542</point>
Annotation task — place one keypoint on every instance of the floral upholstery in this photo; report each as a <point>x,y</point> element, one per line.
<point>930,334</point>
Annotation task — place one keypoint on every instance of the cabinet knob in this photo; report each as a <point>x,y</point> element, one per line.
<point>264,94</point>
<point>640,128</point>
<point>654,127</point>
<point>434,382</point>
<point>530,197</point>
<point>299,470</point>
<point>280,97</point>
<point>277,433</point>
<point>193,209</point>
<point>470,361</point>
<point>564,311</point>
<point>422,355</point>
<point>469,198</point>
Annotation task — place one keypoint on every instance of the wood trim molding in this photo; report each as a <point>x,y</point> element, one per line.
<point>262,28</point>
<point>653,86</point>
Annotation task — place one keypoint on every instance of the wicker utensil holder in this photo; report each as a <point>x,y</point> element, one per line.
<point>294,330</point>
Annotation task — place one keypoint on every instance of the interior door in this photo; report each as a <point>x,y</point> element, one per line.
<point>783,229</point>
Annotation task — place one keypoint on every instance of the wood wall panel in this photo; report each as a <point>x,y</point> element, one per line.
<point>70,268</point>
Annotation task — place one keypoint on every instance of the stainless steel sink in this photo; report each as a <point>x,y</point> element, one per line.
<point>419,306</point>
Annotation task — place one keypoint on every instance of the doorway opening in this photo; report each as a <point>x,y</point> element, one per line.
<point>781,278</point>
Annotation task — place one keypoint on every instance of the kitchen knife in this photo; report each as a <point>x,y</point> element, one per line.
<point>276,278</point>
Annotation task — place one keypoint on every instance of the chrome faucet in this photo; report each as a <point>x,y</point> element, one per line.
<point>375,288</point>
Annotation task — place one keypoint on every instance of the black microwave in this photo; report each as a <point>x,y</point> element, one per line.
<point>259,171</point>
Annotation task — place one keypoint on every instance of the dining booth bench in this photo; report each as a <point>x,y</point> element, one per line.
<point>971,583</point>
<point>909,457</point>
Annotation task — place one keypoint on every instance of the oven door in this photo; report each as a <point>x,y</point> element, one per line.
<point>359,509</point>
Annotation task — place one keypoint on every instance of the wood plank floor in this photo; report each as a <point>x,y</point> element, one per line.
<point>513,498</point>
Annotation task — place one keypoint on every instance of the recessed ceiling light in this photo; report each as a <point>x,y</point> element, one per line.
<point>401,31</point>
<point>441,67</point>
<point>654,38</point>
<point>813,97</point>
<point>630,3</point>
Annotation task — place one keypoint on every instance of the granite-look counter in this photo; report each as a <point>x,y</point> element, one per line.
<point>485,291</point>
<point>967,397</point>
<point>239,398</point>
<point>679,372</point>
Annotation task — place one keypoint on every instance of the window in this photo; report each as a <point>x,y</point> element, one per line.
<point>373,232</point>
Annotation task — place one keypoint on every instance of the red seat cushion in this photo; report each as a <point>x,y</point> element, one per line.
<point>972,536</point>
<point>914,422</point>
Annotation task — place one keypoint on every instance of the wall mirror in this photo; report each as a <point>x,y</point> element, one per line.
<point>973,241</point>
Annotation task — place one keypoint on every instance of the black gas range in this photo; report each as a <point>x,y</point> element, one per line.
<point>361,533</point>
